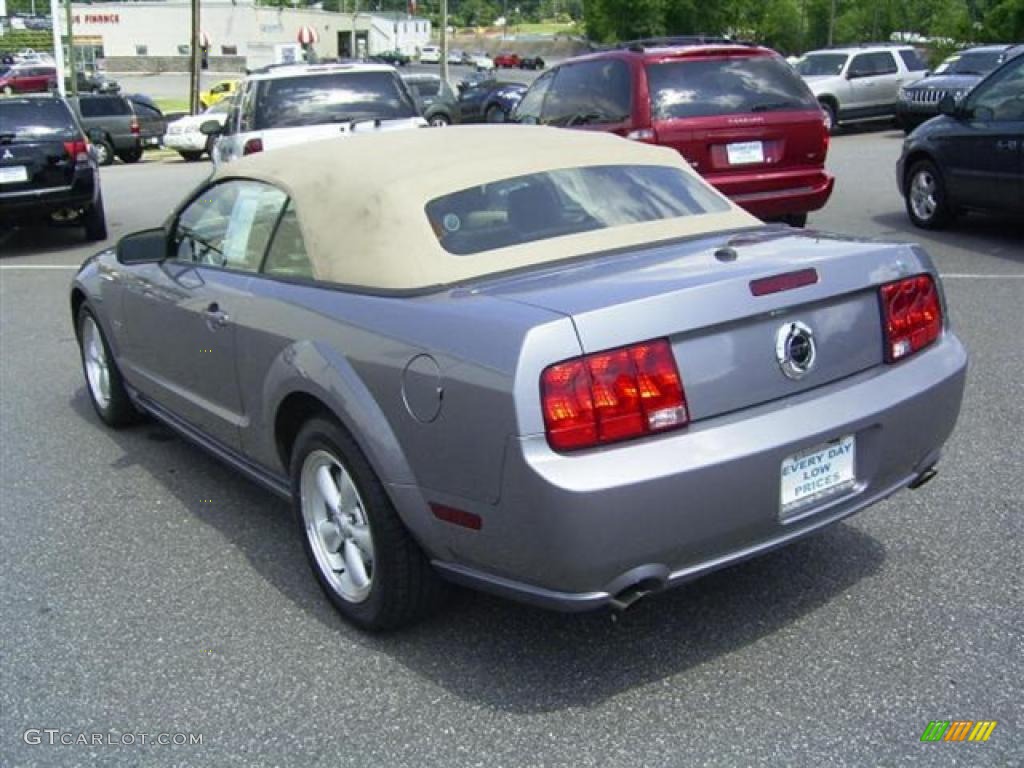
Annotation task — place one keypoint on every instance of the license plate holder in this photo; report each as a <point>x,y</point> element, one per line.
<point>745,152</point>
<point>13,174</point>
<point>817,473</point>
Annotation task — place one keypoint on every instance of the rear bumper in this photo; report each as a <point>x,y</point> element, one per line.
<point>776,194</point>
<point>38,203</point>
<point>572,532</point>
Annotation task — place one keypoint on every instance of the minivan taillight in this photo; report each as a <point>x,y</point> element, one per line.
<point>77,151</point>
<point>252,146</point>
<point>911,316</point>
<point>614,395</point>
<point>134,126</point>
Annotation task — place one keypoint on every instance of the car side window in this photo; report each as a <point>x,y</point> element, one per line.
<point>1001,98</point>
<point>884,63</point>
<point>528,110</point>
<point>287,255</point>
<point>865,65</point>
<point>912,61</point>
<point>589,93</point>
<point>229,225</point>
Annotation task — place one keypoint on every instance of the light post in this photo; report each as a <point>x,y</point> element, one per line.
<point>444,40</point>
<point>193,88</point>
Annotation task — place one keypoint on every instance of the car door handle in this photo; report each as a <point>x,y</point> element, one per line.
<point>216,317</point>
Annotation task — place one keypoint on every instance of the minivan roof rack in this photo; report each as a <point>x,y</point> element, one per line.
<point>644,43</point>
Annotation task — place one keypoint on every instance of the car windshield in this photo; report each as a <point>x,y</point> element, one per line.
<point>540,206</point>
<point>35,119</point>
<point>816,64</point>
<point>725,86</point>
<point>334,97</point>
<point>220,108</point>
<point>977,63</point>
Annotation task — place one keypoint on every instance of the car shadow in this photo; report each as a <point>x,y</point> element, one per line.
<point>37,239</point>
<point>989,234</point>
<point>508,656</point>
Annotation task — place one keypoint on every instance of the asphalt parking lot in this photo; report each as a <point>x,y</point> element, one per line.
<point>146,589</point>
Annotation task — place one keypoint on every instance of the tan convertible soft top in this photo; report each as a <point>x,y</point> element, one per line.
<point>360,199</point>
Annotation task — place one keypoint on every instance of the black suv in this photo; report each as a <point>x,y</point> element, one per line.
<point>972,156</point>
<point>123,126</point>
<point>47,171</point>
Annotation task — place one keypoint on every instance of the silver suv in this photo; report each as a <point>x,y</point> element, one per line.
<point>860,83</point>
<point>294,104</point>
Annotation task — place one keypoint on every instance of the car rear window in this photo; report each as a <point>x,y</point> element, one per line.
<point>724,87</point>
<point>36,118</point>
<point>103,107</point>
<point>335,97</point>
<point>819,64</point>
<point>541,206</point>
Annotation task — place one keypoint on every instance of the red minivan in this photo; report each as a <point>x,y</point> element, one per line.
<point>27,78</point>
<point>738,113</point>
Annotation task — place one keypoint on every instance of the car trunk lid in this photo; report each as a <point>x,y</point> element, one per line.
<point>698,294</point>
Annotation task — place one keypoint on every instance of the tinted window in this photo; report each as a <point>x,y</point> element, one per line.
<point>912,61</point>
<point>528,109</point>
<point>287,255</point>
<point>539,206</point>
<point>36,118</point>
<point>725,86</point>
<point>589,92</point>
<point>1001,98</point>
<point>144,110</point>
<point>330,98</point>
<point>869,64</point>
<point>979,63</point>
<point>817,64</point>
<point>103,107</point>
<point>426,89</point>
<point>229,225</point>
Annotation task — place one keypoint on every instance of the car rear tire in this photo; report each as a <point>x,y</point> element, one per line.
<point>440,120</point>
<point>104,152</point>
<point>798,220</point>
<point>94,219</point>
<point>102,378</point>
<point>8,91</point>
<point>131,155</point>
<point>925,196</point>
<point>362,555</point>
<point>495,114</point>
<point>191,157</point>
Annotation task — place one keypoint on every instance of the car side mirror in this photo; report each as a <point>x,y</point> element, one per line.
<point>211,128</point>
<point>149,245</point>
<point>948,106</point>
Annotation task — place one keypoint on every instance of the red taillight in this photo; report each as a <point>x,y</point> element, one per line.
<point>252,146</point>
<point>787,281</point>
<point>77,151</point>
<point>610,396</point>
<point>134,126</point>
<point>911,316</point>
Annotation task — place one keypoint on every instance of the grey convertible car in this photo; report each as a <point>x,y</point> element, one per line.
<point>550,364</point>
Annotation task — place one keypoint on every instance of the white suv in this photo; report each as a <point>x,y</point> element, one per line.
<point>293,104</point>
<point>860,83</point>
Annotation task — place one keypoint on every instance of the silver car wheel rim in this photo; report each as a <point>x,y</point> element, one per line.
<point>923,195</point>
<point>438,122</point>
<point>337,527</point>
<point>97,369</point>
<point>101,153</point>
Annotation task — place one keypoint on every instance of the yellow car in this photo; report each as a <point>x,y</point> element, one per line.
<point>218,92</point>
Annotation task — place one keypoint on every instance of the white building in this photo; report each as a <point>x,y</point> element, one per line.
<point>156,33</point>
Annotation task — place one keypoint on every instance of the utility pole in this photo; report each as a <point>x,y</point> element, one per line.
<point>444,40</point>
<point>58,48</point>
<point>193,87</point>
<point>831,21</point>
<point>72,65</point>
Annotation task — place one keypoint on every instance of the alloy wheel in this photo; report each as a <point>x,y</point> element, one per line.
<point>923,194</point>
<point>337,527</point>
<point>97,367</point>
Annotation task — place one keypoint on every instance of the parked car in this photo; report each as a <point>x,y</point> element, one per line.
<point>185,137</point>
<point>508,60</point>
<point>971,157</point>
<point>218,92</point>
<point>123,125</point>
<point>456,56</point>
<point>92,82</point>
<point>303,102</point>
<point>478,60</point>
<point>28,78</point>
<point>860,83</point>
<point>574,377</point>
<point>531,62</point>
<point>395,58</point>
<point>738,113</point>
<point>919,101</point>
<point>47,172</point>
<point>430,54</point>
<point>482,98</point>
<point>437,102</point>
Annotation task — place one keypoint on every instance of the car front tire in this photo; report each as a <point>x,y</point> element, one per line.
<point>104,152</point>
<point>131,155</point>
<point>440,120</point>
<point>925,196</point>
<point>365,560</point>
<point>102,378</point>
<point>831,118</point>
<point>190,157</point>
<point>495,114</point>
